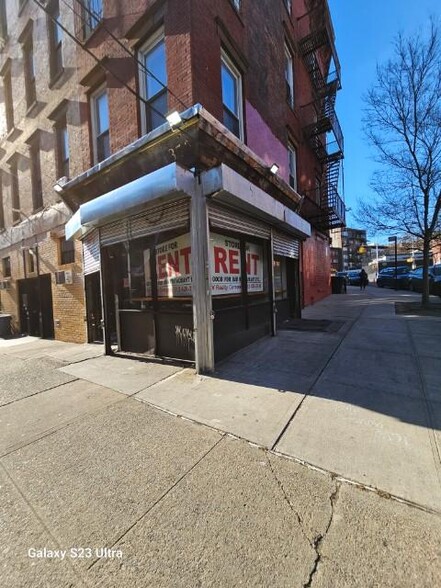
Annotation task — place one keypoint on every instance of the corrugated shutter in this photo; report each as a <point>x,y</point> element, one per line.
<point>161,218</point>
<point>114,233</point>
<point>230,220</point>
<point>91,252</point>
<point>285,245</point>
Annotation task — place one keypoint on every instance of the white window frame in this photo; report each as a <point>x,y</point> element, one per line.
<point>150,44</point>
<point>289,75</point>
<point>93,115</point>
<point>292,165</point>
<point>228,63</point>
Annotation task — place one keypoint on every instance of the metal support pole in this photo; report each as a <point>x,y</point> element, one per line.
<point>396,265</point>
<point>273,289</point>
<point>200,269</point>
<point>40,312</point>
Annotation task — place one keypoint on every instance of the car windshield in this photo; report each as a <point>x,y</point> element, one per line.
<point>402,270</point>
<point>436,270</point>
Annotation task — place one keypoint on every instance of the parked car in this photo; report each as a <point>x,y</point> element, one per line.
<point>415,280</point>
<point>436,270</point>
<point>386,277</point>
<point>353,277</point>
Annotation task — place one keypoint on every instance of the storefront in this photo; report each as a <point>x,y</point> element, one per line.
<point>192,267</point>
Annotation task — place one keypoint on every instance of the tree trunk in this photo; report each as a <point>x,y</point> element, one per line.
<point>426,256</point>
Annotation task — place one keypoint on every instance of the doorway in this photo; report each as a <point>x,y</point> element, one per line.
<point>94,311</point>
<point>36,310</point>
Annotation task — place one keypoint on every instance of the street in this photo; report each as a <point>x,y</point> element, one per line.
<point>309,459</point>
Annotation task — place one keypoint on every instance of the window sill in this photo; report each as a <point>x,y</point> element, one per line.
<point>56,78</point>
<point>32,108</point>
<point>86,38</point>
<point>12,134</point>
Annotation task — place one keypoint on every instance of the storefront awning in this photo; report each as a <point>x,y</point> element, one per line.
<point>223,184</point>
<point>165,184</point>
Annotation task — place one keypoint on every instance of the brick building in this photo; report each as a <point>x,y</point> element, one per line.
<point>39,110</point>
<point>353,245</point>
<point>146,193</point>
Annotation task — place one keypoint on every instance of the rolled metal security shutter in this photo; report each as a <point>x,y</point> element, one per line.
<point>230,220</point>
<point>162,218</point>
<point>91,253</point>
<point>285,245</point>
<point>114,233</point>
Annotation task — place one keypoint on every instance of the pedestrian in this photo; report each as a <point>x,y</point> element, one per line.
<point>363,279</point>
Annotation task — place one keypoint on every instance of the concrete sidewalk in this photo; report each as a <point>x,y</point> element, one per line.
<point>87,461</point>
<point>362,402</point>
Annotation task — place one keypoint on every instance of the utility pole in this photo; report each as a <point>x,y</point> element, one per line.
<point>394,240</point>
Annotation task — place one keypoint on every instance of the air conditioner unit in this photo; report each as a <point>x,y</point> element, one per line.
<point>63,277</point>
<point>5,285</point>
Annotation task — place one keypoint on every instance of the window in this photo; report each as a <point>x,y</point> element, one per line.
<point>280,285</point>
<point>100,125</point>
<point>3,21</point>
<point>29,71</point>
<point>318,190</point>
<point>153,83</point>
<point>15,195</point>
<point>67,251</point>
<point>292,166</point>
<point>9,105</point>
<point>6,267</point>
<point>30,260</point>
<point>37,192</point>
<point>232,96</point>
<point>55,33</point>
<point>62,148</point>
<point>289,77</point>
<point>91,14</point>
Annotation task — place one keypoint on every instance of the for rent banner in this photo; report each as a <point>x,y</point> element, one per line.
<point>225,265</point>
<point>173,267</point>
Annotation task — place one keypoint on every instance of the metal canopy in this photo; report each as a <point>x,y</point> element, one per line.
<point>165,184</point>
<point>223,184</point>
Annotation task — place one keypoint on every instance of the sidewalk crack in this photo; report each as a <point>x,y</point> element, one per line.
<point>320,538</point>
<point>288,501</point>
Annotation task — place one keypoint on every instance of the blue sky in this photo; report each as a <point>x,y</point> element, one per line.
<point>364,35</point>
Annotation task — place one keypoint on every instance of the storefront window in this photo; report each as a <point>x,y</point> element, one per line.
<point>225,266</point>
<point>173,258</point>
<point>280,287</point>
<point>255,264</point>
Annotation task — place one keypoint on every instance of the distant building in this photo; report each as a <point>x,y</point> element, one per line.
<point>353,245</point>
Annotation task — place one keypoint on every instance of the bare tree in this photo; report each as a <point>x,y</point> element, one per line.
<point>403,123</point>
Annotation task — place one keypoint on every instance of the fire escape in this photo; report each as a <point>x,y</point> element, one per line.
<point>323,205</point>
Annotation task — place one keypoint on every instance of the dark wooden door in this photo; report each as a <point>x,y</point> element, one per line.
<point>94,308</point>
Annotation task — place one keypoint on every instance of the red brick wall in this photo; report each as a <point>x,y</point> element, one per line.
<point>316,269</point>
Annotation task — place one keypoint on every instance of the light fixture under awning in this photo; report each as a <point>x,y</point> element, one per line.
<point>166,183</point>
<point>226,185</point>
